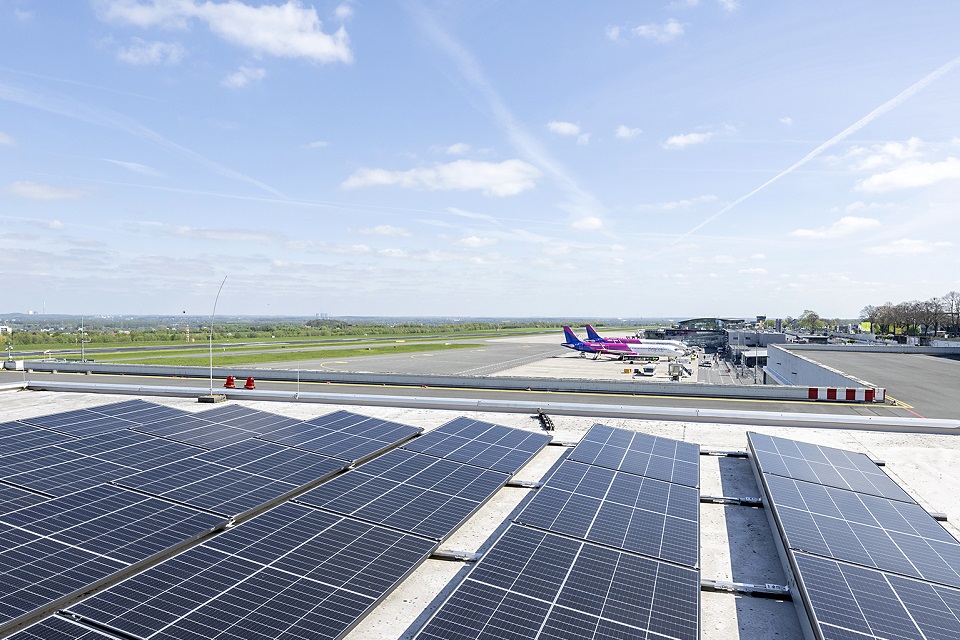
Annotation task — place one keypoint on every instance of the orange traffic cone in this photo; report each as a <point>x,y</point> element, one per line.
<point>249,384</point>
<point>230,383</point>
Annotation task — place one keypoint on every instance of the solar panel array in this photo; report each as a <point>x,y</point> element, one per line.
<point>288,570</point>
<point>88,493</point>
<point>410,491</point>
<point>640,454</point>
<point>482,444</point>
<point>600,552</point>
<point>869,561</point>
<point>55,548</point>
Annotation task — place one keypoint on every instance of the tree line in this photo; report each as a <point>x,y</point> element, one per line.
<point>919,318</point>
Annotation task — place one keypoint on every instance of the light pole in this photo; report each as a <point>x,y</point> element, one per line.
<point>756,352</point>
<point>212,316</point>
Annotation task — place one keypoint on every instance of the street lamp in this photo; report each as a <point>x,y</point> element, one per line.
<point>212,316</point>
<point>756,346</point>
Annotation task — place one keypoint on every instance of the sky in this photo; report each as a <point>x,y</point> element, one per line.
<point>486,158</point>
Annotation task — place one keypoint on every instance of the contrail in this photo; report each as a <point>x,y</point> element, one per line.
<point>894,102</point>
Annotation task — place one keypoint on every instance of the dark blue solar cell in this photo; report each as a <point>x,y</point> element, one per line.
<point>823,465</point>
<point>209,486</point>
<point>115,522</point>
<point>275,461</point>
<point>299,572</point>
<point>534,584</point>
<point>132,449</point>
<point>634,513</point>
<point>640,454</point>
<point>409,491</point>
<point>482,444</point>
<point>17,436</point>
<point>13,498</point>
<point>35,571</point>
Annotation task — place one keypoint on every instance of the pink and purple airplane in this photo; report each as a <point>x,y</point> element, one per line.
<point>593,336</point>
<point>621,350</point>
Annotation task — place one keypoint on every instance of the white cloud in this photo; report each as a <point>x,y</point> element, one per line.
<point>136,167</point>
<point>907,247</point>
<point>318,144</point>
<point>685,140</point>
<point>564,128</point>
<point>55,225</point>
<point>626,133</point>
<point>588,223</point>
<point>845,226</point>
<point>289,30</point>
<point>223,235</point>
<point>38,191</point>
<point>458,149</point>
<point>787,120</point>
<point>6,140</point>
<point>343,12</point>
<point>474,242</point>
<point>243,76</point>
<point>911,174</point>
<point>613,33</point>
<point>506,178</point>
<point>351,249</point>
<point>384,230</point>
<point>669,30</point>
<point>729,5</point>
<point>755,271</point>
<point>583,139</point>
<point>885,155</point>
<point>141,52</point>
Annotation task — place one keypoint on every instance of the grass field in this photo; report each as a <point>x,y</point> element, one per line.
<point>243,356</point>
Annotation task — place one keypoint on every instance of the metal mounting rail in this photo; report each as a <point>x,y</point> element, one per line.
<point>776,591</point>
<point>743,502</point>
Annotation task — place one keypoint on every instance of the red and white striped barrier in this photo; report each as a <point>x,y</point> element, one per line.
<point>844,394</point>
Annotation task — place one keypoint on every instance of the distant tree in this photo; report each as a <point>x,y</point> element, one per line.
<point>951,304</point>
<point>809,320</point>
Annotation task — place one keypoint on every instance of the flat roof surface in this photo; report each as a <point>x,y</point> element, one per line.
<point>927,383</point>
<point>736,543</point>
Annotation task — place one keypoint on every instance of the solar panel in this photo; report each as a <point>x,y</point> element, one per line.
<point>80,422</point>
<point>535,584</point>
<point>275,461</point>
<point>17,436</point>
<point>114,522</point>
<point>195,431</point>
<point>290,572</point>
<point>847,601</point>
<point>132,449</point>
<point>57,471</point>
<point>640,454</point>
<point>823,465</point>
<point>140,411</point>
<point>345,435</point>
<point>206,485</point>
<point>13,498</point>
<point>896,536</point>
<point>241,417</point>
<point>483,444</point>
<point>409,491</point>
<point>655,518</point>
<point>35,570</point>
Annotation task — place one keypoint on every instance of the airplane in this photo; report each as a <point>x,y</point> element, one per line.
<point>621,350</point>
<point>593,336</point>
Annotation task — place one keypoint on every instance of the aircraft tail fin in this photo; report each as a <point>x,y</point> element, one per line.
<point>570,336</point>
<point>592,334</point>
